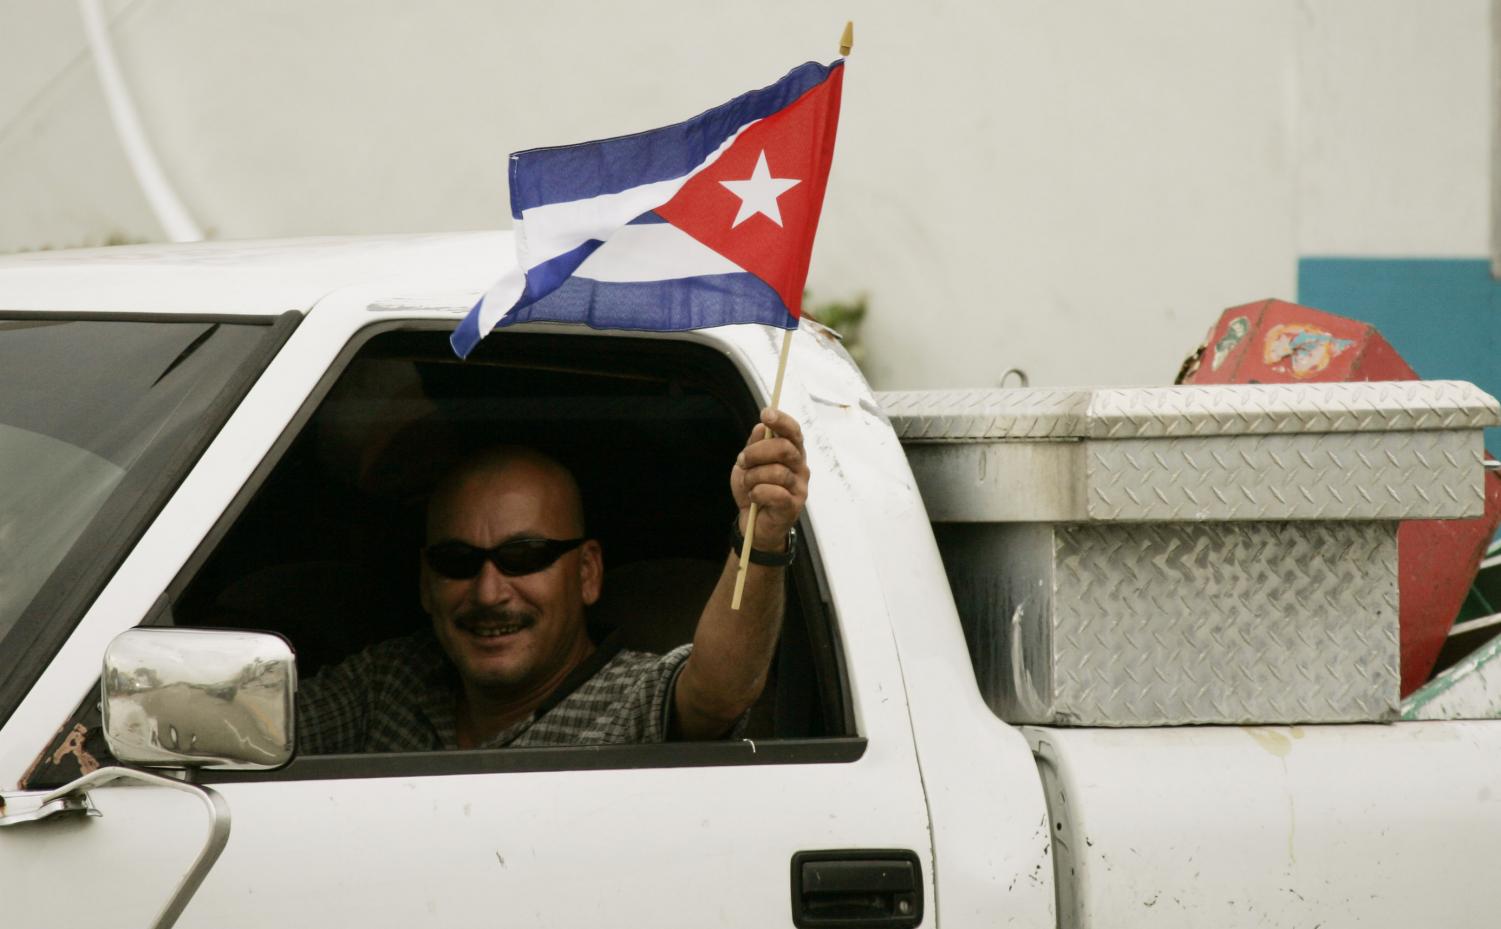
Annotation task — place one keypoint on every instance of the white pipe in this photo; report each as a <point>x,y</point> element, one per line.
<point>170,212</point>
<point>1471,625</point>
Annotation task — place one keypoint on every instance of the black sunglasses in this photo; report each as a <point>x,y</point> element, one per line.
<point>460,561</point>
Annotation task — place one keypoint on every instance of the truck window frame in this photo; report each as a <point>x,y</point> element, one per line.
<point>807,585</point>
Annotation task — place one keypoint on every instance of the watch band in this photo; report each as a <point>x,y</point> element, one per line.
<point>757,556</point>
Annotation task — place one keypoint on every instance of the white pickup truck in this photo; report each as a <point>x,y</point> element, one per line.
<point>1133,665</point>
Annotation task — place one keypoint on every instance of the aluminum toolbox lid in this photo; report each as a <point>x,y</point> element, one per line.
<point>1031,414</point>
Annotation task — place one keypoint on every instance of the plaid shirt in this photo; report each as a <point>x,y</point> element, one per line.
<point>399,696</point>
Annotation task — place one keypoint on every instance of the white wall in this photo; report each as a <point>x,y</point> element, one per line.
<point>63,178</point>
<point>1072,188</point>
<point>1395,115</point>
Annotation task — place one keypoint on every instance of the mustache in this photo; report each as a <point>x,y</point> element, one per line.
<point>494,615</point>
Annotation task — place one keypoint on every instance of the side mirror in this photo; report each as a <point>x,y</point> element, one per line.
<point>205,698</point>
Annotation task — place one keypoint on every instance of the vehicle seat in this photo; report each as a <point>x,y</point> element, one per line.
<point>654,606</point>
<point>326,609</point>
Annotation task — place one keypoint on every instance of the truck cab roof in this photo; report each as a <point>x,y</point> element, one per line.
<point>255,277</point>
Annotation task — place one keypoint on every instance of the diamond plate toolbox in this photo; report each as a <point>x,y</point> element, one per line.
<point>1171,623</point>
<point>1166,556</point>
<point>1379,450</point>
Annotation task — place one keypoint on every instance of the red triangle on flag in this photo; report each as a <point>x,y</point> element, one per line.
<point>797,143</point>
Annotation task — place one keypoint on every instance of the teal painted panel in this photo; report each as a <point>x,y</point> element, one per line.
<point>1442,314</point>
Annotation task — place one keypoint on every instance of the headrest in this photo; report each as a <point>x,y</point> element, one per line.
<point>655,604</point>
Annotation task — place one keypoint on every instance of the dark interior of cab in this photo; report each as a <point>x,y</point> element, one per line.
<point>323,548</point>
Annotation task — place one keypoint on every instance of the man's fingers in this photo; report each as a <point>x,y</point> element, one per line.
<point>773,499</point>
<point>772,471</point>
<point>783,424</point>
<point>771,451</point>
<point>786,487</point>
<point>777,474</point>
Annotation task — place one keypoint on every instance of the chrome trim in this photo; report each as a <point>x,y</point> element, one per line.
<point>73,797</point>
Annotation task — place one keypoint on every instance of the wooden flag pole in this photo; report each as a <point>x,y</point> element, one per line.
<point>750,520</point>
<point>846,42</point>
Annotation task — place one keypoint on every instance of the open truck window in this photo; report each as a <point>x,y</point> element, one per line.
<point>323,546</point>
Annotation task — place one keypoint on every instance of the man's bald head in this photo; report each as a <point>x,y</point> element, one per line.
<point>506,465</point>
<point>511,634</point>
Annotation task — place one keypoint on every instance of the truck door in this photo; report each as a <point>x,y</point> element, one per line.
<point>665,835</point>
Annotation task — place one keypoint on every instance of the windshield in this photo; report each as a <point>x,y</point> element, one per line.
<point>84,404</point>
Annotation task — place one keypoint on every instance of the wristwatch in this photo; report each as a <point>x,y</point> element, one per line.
<point>757,556</point>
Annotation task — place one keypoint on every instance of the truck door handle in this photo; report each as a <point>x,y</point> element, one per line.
<point>856,888</point>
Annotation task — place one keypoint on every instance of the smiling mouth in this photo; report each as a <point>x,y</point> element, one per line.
<point>494,627</point>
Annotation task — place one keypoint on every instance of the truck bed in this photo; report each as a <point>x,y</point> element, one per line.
<point>1362,825</point>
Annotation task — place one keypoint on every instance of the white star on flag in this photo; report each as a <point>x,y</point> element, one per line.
<point>759,192</point>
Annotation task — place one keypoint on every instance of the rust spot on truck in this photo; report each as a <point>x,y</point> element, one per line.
<point>73,745</point>
<point>25,782</point>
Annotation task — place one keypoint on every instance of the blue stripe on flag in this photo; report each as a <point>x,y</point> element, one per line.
<point>467,335</point>
<point>667,306</point>
<point>542,279</point>
<point>578,172</point>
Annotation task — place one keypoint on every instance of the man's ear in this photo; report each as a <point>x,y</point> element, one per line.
<point>591,571</point>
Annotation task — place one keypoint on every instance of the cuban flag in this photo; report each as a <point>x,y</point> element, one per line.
<point>704,223</point>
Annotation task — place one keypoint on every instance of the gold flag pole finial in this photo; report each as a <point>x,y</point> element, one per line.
<point>847,41</point>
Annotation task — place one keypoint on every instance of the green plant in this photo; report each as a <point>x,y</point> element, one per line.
<point>845,317</point>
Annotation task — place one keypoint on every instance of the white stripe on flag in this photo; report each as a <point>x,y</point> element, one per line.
<point>499,299</point>
<point>545,232</point>
<point>653,252</point>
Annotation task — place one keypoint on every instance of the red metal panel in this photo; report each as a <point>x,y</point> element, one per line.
<point>1274,342</point>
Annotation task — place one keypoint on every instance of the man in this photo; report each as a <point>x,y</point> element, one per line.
<point>506,574</point>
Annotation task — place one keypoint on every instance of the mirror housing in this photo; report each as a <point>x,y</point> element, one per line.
<point>202,698</point>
